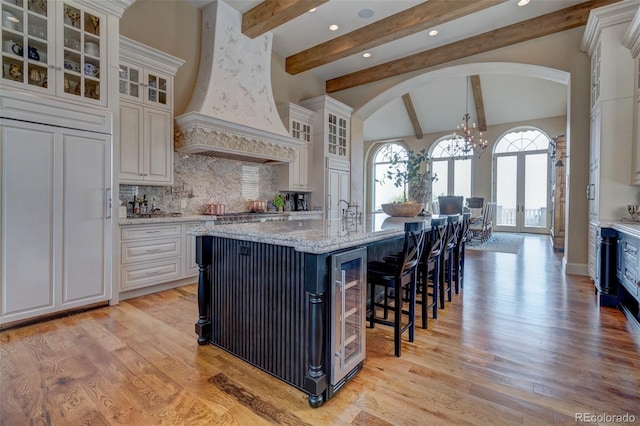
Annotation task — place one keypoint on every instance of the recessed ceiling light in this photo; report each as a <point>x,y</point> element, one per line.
<point>523,2</point>
<point>312,10</point>
<point>366,55</point>
<point>365,13</point>
<point>433,32</point>
<point>12,18</point>
<point>333,27</point>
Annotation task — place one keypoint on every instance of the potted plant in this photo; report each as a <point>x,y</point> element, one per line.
<point>278,202</point>
<point>413,175</point>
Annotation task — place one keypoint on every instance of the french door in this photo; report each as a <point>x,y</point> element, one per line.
<point>521,185</point>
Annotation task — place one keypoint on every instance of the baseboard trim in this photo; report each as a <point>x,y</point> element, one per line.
<point>576,269</point>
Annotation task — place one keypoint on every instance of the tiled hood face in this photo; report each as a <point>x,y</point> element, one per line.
<point>232,113</point>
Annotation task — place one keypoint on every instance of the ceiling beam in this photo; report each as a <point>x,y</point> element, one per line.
<point>411,111</point>
<point>551,23</point>
<point>272,13</point>
<point>476,89</point>
<point>418,18</point>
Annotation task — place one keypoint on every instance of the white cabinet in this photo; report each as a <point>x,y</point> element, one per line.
<point>330,178</point>
<point>152,254</point>
<point>191,268</point>
<point>146,114</point>
<point>56,219</point>
<point>632,42</point>
<point>58,48</point>
<point>612,82</point>
<point>146,146</point>
<point>338,184</point>
<point>299,122</point>
<point>332,125</point>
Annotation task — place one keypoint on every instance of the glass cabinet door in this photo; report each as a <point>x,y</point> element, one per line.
<point>157,89</point>
<point>26,43</point>
<point>83,52</point>
<point>349,300</point>
<point>130,82</point>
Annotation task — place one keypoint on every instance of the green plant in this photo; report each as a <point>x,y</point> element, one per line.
<point>410,171</point>
<point>278,201</point>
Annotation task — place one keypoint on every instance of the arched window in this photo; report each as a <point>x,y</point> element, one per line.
<point>383,189</point>
<point>522,140</point>
<point>453,172</point>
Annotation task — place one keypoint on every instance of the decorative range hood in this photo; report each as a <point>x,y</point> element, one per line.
<point>232,113</point>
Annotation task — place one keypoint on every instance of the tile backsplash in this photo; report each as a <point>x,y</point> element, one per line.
<point>199,180</point>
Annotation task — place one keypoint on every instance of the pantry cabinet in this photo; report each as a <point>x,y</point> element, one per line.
<point>146,114</point>
<point>299,122</point>
<point>59,48</point>
<point>331,134</point>
<point>632,42</point>
<point>612,84</point>
<point>56,208</point>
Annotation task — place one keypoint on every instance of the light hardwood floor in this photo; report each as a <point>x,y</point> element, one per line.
<point>522,344</point>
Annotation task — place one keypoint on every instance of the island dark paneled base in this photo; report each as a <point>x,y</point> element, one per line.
<point>270,305</point>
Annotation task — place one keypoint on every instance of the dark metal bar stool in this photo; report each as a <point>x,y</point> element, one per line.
<point>401,278</point>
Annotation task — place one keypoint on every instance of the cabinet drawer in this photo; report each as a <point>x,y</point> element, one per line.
<point>139,251</point>
<point>149,273</point>
<point>129,233</point>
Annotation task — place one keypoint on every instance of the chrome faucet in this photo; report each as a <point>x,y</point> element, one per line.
<point>351,211</point>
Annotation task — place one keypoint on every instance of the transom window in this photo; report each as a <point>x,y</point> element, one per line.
<point>522,140</point>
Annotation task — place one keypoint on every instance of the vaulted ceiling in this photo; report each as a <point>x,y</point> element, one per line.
<point>395,34</point>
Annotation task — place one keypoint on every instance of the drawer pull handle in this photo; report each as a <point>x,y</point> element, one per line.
<point>153,273</point>
<point>153,250</point>
<point>152,232</point>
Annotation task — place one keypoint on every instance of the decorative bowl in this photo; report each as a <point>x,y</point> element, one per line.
<point>402,209</point>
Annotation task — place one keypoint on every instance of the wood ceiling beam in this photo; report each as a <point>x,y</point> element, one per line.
<point>551,23</point>
<point>411,111</point>
<point>418,18</point>
<point>272,13</point>
<point>476,89</point>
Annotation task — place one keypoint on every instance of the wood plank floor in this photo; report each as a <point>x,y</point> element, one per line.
<point>522,344</point>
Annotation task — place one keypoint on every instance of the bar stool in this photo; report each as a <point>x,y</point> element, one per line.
<point>447,261</point>
<point>401,278</point>
<point>459,251</point>
<point>429,269</point>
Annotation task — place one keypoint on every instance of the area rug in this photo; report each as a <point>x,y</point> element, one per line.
<point>499,242</point>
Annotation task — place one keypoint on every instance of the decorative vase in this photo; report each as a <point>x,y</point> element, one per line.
<point>408,209</point>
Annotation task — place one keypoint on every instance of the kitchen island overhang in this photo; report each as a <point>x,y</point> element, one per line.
<point>266,293</point>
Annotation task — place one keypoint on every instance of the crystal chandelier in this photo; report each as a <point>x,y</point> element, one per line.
<point>467,140</point>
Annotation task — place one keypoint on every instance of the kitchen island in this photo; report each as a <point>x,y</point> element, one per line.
<point>290,297</point>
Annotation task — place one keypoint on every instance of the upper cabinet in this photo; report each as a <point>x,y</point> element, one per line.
<point>57,48</point>
<point>335,120</point>
<point>299,122</point>
<point>146,114</point>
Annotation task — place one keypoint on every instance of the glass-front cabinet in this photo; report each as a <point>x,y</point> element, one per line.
<point>349,309</point>
<point>54,47</point>
<point>144,86</point>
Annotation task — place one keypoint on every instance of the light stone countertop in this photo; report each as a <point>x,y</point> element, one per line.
<point>314,235</point>
<point>631,228</point>
<point>196,218</point>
